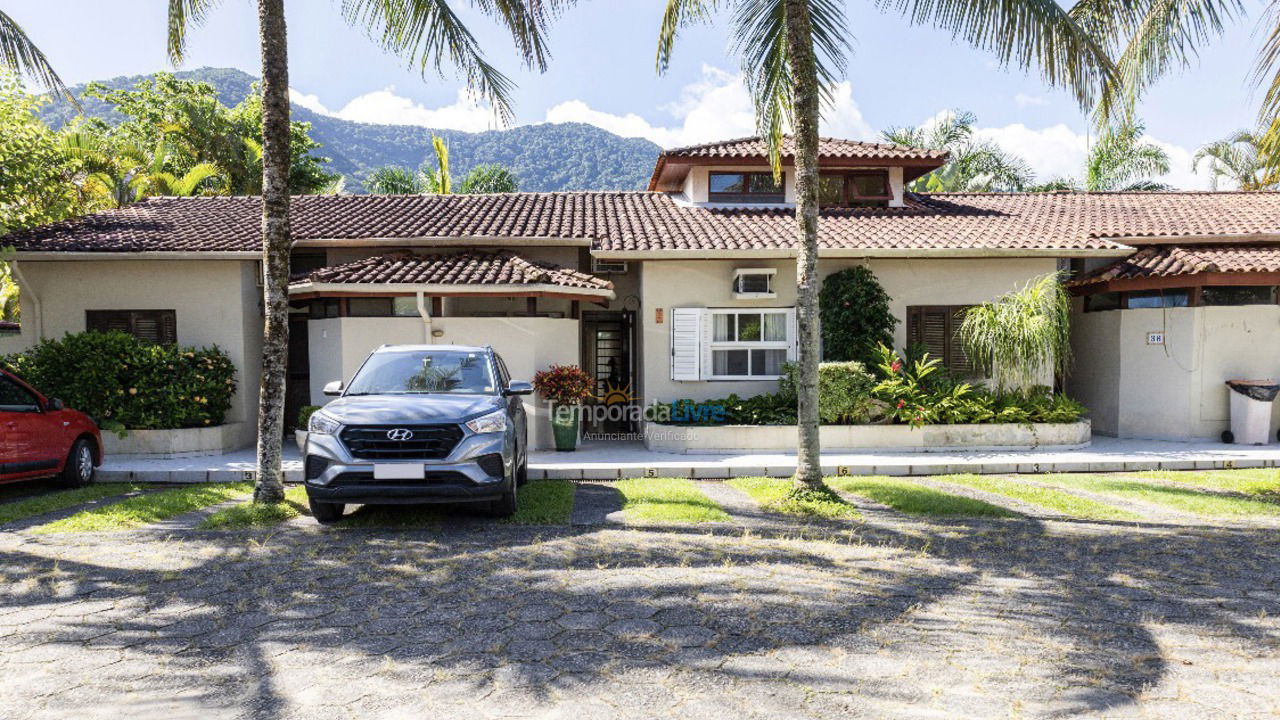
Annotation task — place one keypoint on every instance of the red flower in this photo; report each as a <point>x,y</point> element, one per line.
<point>902,404</point>
<point>896,366</point>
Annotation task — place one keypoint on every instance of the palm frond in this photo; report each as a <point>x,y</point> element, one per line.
<point>1021,336</point>
<point>677,15</point>
<point>183,15</point>
<point>20,54</point>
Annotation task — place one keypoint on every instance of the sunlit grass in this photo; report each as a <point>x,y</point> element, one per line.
<point>913,498</point>
<point>1048,498</point>
<point>148,508</point>
<point>667,500</point>
<point>544,502</point>
<point>779,495</point>
<point>1184,499</point>
<point>1249,481</point>
<point>250,514</point>
<point>39,505</point>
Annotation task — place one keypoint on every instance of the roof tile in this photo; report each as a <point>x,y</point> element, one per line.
<point>463,268</point>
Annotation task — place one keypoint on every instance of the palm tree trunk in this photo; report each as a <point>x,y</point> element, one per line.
<point>275,248</point>
<point>805,113</point>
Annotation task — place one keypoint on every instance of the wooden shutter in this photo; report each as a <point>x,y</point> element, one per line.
<point>686,343</point>
<point>936,328</point>
<point>157,326</point>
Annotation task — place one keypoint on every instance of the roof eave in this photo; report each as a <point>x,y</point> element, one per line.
<point>832,253</point>
<point>308,288</point>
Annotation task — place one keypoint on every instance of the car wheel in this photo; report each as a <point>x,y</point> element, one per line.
<point>326,512</point>
<point>79,470</point>
<point>505,506</point>
<point>522,472</point>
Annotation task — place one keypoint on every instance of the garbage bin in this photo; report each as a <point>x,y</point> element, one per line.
<point>1251,411</point>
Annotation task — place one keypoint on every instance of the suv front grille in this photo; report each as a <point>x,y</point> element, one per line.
<point>428,442</point>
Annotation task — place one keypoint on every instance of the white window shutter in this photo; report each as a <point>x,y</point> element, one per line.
<point>686,343</point>
<point>791,335</point>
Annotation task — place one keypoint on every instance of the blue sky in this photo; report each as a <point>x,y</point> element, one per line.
<point>602,72</point>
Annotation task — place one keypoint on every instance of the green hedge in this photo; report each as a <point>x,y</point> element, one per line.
<point>126,383</point>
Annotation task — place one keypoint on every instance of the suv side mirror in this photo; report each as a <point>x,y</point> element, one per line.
<point>333,388</point>
<point>54,405</point>
<point>518,387</point>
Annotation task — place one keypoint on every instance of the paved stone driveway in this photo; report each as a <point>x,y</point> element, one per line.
<point>882,618</point>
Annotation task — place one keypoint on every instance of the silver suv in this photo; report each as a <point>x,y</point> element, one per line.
<point>420,424</point>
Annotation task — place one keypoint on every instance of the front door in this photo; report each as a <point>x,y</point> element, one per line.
<point>297,387</point>
<point>607,357</point>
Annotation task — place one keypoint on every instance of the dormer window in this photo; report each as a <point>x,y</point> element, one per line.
<point>744,187</point>
<point>753,283</point>
<point>856,188</point>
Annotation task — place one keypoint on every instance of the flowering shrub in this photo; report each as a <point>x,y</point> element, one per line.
<point>563,384</point>
<point>126,383</point>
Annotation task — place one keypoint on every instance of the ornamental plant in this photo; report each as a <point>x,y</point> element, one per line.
<point>1023,335</point>
<point>126,383</point>
<point>563,384</point>
<point>855,316</point>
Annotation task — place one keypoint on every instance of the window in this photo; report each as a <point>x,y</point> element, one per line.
<point>324,308</point>
<point>935,329</point>
<point>740,187</point>
<point>382,307</point>
<point>157,326</point>
<point>1158,299</point>
<point>749,343</point>
<point>1238,295</point>
<point>861,188</point>
<point>305,262</point>
<point>754,283</point>
<point>1102,301</point>
<point>15,398</point>
<point>608,267</point>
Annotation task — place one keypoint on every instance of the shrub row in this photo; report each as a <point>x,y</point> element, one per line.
<point>126,383</point>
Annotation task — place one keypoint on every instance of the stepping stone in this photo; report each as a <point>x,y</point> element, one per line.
<point>596,504</point>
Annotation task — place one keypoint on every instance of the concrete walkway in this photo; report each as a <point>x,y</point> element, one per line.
<point>608,461</point>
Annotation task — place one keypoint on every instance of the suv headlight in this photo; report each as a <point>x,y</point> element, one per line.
<point>493,422</point>
<point>322,424</point>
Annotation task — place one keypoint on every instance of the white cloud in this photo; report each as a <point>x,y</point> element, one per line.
<point>385,107</point>
<point>1024,100</point>
<point>715,107</point>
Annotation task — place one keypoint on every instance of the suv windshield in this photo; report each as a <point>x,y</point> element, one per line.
<point>410,372</point>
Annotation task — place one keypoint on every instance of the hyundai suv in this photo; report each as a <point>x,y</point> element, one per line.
<point>419,424</point>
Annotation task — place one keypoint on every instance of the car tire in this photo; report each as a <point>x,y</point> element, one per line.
<point>522,472</point>
<point>326,512</point>
<point>79,469</point>
<point>505,506</point>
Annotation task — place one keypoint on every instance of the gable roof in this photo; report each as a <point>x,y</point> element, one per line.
<point>463,268</point>
<point>635,224</point>
<point>756,147</point>
<point>1184,261</point>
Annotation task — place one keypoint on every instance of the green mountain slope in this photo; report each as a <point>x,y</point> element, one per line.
<point>562,156</point>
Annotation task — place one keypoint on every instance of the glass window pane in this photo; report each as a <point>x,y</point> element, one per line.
<point>755,283</point>
<point>764,183</point>
<point>1157,299</point>
<point>775,327</point>
<point>728,183</point>
<point>1102,301</point>
<point>749,327</point>
<point>1239,295</point>
<point>369,307</point>
<point>729,362</point>
<point>405,306</point>
<point>830,190</point>
<point>724,327</point>
<point>767,362</point>
<point>869,184</point>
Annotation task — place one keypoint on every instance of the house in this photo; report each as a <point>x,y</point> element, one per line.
<point>686,290</point>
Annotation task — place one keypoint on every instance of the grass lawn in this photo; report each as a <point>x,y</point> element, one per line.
<point>249,514</point>
<point>916,499</point>
<point>775,495</point>
<point>1250,481</point>
<point>1055,500</point>
<point>148,508</point>
<point>544,502</point>
<point>30,507</point>
<point>1184,499</point>
<point>668,500</point>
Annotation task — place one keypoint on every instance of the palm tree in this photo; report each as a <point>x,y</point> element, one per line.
<point>124,173</point>
<point>18,54</point>
<point>395,180</point>
<point>975,166</point>
<point>489,178</point>
<point>793,51</point>
<point>429,34</point>
<point>1237,158</point>
<point>1120,161</point>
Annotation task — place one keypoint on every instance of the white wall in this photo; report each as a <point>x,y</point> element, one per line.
<point>669,284</point>
<point>340,345</point>
<point>214,302</point>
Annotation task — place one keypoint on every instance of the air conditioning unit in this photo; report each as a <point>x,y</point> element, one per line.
<point>608,267</point>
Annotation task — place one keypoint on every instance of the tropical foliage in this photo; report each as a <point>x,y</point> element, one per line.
<point>19,55</point>
<point>435,177</point>
<point>38,177</point>
<point>1237,159</point>
<point>974,166</point>
<point>855,315</point>
<point>489,178</point>
<point>563,384</point>
<point>1023,336</point>
<point>1120,159</point>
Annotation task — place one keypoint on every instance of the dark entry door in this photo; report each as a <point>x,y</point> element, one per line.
<point>607,355</point>
<point>297,387</point>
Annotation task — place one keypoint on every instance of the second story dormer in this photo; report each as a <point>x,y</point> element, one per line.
<point>736,173</point>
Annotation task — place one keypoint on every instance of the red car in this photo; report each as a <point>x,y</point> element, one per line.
<point>41,438</point>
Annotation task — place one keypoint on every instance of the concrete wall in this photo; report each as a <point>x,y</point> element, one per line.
<point>340,345</point>
<point>215,302</point>
<point>1173,391</point>
<point>707,283</point>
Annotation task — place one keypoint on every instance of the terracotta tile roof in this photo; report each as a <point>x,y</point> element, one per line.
<point>755,147</point>
<point>644,221</point>
<point>463,268</point>
<point>1176,260</point>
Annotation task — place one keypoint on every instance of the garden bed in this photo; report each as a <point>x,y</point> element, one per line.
<point>183,442</point>
<point>704,439</point>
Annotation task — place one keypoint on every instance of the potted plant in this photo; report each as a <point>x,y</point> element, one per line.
<point>565,387</point>
<point>304,421</point>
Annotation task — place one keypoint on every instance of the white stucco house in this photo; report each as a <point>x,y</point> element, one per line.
<point>647,290</point>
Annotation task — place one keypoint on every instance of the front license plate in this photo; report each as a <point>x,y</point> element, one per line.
<point>398,471</point>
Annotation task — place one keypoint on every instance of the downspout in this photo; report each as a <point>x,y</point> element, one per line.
<point>426,317</point>
<point>26,292</point>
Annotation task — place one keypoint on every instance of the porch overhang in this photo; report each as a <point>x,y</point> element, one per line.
<point>312,290</point>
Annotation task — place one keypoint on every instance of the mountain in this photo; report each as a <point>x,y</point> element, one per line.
<point>551,156</point>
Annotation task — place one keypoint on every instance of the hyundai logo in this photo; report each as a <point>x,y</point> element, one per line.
<point>400,434</point>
